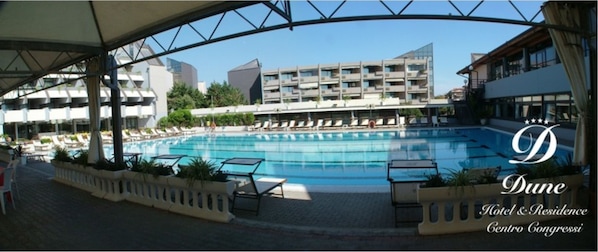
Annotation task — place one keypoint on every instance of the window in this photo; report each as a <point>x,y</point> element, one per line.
<point>515,64</point>
<point>414,67</point>
<point>307,73</point>
<point>326,73</point>
<point>286,76</point>
<point>269,77</point>
<point>542,55</point>
<point>496,71</point>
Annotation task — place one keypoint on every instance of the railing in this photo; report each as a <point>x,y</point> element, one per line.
<point>462,209</point>
<point>208,200</point>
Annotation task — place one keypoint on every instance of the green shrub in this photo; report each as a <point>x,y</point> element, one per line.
<point>152,167</point>
<point>81,157</point>
<point>200,170</point>
<point>62,154</point>
<point>435,180</point>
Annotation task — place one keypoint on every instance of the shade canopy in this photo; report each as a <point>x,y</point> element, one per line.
<point>42,37</point>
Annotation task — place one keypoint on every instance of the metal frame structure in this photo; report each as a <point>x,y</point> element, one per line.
<point>274,15</point>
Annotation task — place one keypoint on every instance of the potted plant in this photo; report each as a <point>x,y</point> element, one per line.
<point>200,170</point>
<point>61,154</point>
<point>152,167</point>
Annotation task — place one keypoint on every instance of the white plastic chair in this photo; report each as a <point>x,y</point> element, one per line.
<point>14,163</point>
<point>7,188</point>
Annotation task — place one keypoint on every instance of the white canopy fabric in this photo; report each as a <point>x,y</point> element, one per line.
<point>42,37</point>
<point>96,151</point>
<point>569,47</point>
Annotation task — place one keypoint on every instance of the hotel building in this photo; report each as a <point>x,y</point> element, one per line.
<point>64,109</point>
<point>524,79</point>
<point>408,77</point>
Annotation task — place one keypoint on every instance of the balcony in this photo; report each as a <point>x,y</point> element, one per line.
<point>131,111</point>
<point>310,93</point>
<point>330,92</point>
<point>397,88</point>
<point>399,76</point>
<point>308,79</point>
<point>147,110</point>
<point>272,83</point>
<point>15,116</point>
<point>274,95</point>
<point>352,90</point>
<point>81,113</point>
<point>59,114</point>
<point>37,115</point>
<point>351,77</point>
<point>372,76</point>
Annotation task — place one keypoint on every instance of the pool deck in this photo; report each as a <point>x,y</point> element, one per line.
<point>53,216</point>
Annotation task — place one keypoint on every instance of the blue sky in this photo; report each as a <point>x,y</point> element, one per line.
<point>453,41</point>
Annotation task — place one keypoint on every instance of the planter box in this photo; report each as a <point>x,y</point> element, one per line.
<point>146,190</point>
<point>209,200</point>
<point>73,175</point>
<point>109,185</point>
<point>454,210</point>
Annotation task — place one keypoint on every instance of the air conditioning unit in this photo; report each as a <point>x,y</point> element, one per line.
<point>387,75</point>
<point>410,74</point>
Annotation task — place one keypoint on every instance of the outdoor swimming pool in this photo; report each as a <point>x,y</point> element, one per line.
<point>347,158</point>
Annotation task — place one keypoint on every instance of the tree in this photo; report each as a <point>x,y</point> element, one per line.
<point>182,96</point>
<point>225,95</point>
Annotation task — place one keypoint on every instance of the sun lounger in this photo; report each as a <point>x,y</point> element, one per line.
<point>412,121</point>
<point>328,123</point>
<point>338,123</point>
<point>249,187</point>
<point>319,124</point>
<point>405,177</point>
<point>300,125</point>
<point>423,121</point>
<point>354,123</point>
<point>435,121</point>
<point>309,124</point>
<point>274,126</point>
<point>379,122</point>
<point>443,121</point>
<point>284,125</point>
<point>391,122</point>
<point>291,125</point>
<point>401,121</point>
<point>364,122</point>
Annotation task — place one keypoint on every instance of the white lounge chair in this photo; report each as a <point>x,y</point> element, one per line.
<point>354,123</point>
<point>291,125</point>
<point>364,122</point>
<point>379,122</point>
<point>443,120</point>
<point>309,124</point>
<point>338,123</point>
<point>391,121</point>
<point>401,121</point>
<point>274,126</point>
<point>300,125</point>
<point>319,124</point>
<point>435,121</point>
<point>328,123</point>
<point>423,121</point>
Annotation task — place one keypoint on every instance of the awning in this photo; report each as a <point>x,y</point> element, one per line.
<point>308,85</point>
<point>268,88</point>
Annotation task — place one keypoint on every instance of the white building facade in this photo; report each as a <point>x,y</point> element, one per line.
<point>64,109</point>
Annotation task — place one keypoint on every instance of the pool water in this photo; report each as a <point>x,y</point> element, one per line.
<point>348,158</point>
